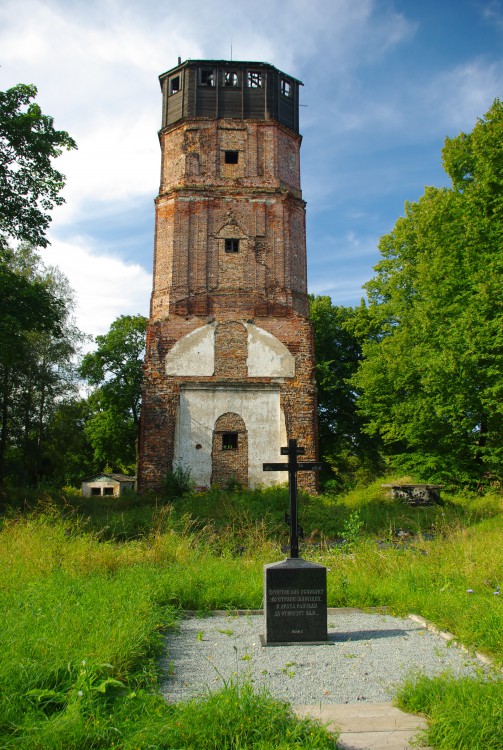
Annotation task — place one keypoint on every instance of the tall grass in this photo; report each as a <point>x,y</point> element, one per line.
<point>463,714</point>
<point>82,632</point>
<point>87,594</point>
<point>452,580</point>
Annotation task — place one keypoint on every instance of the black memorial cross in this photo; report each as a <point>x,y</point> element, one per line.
<point>292,467</point>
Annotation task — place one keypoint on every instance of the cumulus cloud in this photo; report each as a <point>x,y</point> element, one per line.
<point>96,64</point>
<point>117,160</point>
<point>106,287</point>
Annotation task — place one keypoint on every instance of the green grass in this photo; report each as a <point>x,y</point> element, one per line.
<point>82,630</point>
<point>463,714</point>
<point>88,591</point>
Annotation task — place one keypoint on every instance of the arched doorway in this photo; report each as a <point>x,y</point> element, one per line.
<point>229,454</point>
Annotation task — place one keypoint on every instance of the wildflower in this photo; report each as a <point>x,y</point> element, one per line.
<point>469,591</point>
<point>80,693</point>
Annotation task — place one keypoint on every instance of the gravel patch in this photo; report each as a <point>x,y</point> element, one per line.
<point>365,659</point>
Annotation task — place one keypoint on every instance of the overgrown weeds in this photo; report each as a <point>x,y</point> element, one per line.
<point>87,596</point>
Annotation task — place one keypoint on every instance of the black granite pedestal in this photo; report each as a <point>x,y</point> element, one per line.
<point>295,603</point>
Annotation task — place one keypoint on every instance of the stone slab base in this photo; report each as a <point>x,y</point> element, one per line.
<point>367,726</point>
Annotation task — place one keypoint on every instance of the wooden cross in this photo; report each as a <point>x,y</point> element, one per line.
<point>292,467</point>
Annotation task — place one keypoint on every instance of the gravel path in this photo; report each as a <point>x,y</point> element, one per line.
<point>366,657</point>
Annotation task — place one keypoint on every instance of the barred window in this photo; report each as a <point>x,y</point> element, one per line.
<point>254,79</point>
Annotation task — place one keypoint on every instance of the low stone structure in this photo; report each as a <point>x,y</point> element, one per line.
<point>112,485</point>
<point>416,494</point>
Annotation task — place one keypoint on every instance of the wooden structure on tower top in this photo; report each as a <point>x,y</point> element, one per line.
<point>236,90</point>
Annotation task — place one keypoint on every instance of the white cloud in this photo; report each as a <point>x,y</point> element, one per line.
<point>106,287</point>
<point>456,97</point>
<point>96,64</point>
<point>117,160</point>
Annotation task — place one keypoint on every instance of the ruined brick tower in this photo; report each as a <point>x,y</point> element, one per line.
<point>229,369</point>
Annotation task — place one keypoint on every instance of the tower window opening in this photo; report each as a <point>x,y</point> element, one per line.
<point>231,246</point>
<point>254,79</point>
<point>231,79</point>
<point>231,157</point>
<point>174,85</point>
<point>207,77</point>
<point>285,87</point>
<point>230,441</point>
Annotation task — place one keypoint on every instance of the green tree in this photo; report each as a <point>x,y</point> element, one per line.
<point>344,445</point>
<point>68,456</point>
<point>34,328</point>
<point>115,370</point>
<point>38,344</point>
<point>431,379</point>
<point>29,185</point>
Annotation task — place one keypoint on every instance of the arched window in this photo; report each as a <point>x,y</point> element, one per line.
<point>229,456</point>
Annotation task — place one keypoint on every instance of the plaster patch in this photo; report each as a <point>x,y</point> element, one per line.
<point>258,406</point>
<point>268,357</point>
<point>194,354</point>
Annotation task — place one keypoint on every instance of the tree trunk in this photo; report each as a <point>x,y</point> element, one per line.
<point>5,416</point>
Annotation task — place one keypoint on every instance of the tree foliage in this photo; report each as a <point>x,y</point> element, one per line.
<point>431,380</point>
<point>115,370</point>
<point>29,185</point>
<point>344,445</point>
<point>68,456</point>
<point>37,338</point>
<point>38,343</point>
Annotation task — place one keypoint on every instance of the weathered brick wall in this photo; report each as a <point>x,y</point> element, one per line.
<point>202,202</point>
<point>191,261</point>
<point>231,351</point>
<point>268,155</point>
<point>230,464</point>
<point>161,393</point>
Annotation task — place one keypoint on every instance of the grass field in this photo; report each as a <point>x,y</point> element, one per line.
<point>88,590</point>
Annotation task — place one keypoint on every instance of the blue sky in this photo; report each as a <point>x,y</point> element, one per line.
<point>384,84</point>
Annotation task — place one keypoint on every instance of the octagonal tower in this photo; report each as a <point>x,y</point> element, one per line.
<point>229,369</point>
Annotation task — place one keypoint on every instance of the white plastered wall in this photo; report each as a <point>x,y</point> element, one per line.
<point>259,407</point>
<point>194,354</point>
<point>268,357</point>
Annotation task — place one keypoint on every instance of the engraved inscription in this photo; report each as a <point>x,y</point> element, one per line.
<point>296,602</point>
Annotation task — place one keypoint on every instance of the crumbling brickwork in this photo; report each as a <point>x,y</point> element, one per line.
<point>228,337</point>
